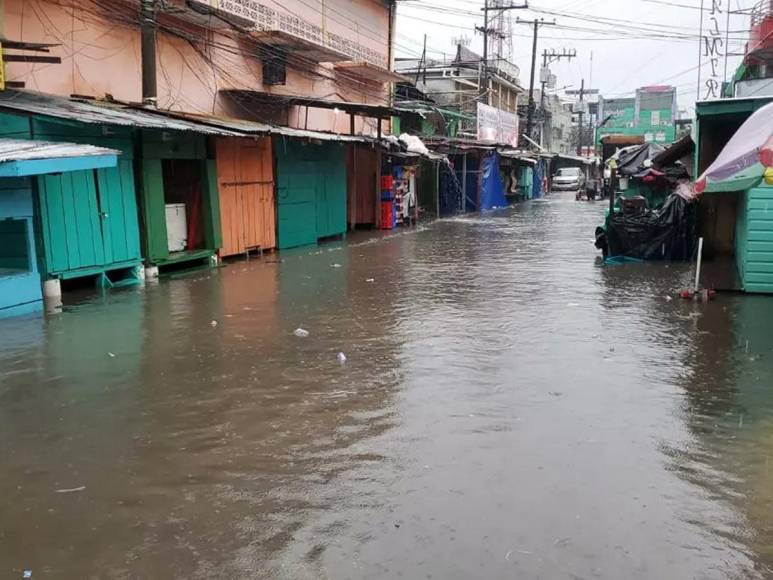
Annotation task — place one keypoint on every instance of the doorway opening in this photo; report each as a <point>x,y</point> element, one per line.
<point>183,204</point>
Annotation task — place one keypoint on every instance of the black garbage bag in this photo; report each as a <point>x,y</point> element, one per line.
<point>666,233</point>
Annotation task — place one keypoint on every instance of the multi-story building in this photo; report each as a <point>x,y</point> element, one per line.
<point>651,114</point>
<point>754,78</point>
<point>558,132</point>
<point>488,103</point>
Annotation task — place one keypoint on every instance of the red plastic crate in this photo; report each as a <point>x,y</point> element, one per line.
<point>387,215</point>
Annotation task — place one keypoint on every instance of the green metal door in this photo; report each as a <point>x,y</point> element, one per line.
<point>331,200</point>
<point>70,221</point>
<point>118,210</point>
<point>311,192</point>
<point>298,184</point>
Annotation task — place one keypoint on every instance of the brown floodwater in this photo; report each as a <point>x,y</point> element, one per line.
<point>509,408</point>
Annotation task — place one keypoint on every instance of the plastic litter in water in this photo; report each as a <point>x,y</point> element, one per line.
<point>27,574</point>
<point>111,355</point>
<point>341,357</point>
<point>336,266</point>
<point>370,280</point>
<point>72,489</point>
<point>214,323</point>
<point>301,333</point>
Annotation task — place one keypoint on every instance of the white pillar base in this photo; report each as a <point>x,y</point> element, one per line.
<point>213,260</point>
<point>52,296</point>
<point>52,288</point>
<point>151,272</point>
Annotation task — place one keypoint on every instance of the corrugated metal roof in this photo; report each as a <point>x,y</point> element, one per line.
<point>24,150</point>
<point>129,115</point>
<point>99,112</point>
<point>256,128</point>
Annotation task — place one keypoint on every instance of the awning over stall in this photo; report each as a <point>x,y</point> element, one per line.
<point>21,157</point>
<point>743,162</point>
<point>101,112</point>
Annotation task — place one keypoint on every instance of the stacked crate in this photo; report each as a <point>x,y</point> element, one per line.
<point>387,203</point>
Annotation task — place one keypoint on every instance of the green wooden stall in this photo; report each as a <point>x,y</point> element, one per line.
<point>179,167</point>
<point>86,221</point>
<point>311,191</point>
<point>736,225</point>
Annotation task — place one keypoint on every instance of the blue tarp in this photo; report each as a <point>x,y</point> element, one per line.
<point>492,189</point>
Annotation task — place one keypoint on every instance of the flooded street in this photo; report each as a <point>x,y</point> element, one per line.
<point>509,408</point>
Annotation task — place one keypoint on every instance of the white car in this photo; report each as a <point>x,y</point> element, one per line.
<point>569,179</point>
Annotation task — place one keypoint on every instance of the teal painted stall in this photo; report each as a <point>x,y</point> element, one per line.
<point>86,220</point>
<point>754,240</point>
<point>736,225</point>
<point>22,160</point>
<point>19,276</point>
<point>178,168</point>
<point>311,191</point>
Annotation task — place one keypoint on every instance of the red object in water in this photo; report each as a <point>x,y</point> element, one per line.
<point>387,215</point>
<point>686,294</point>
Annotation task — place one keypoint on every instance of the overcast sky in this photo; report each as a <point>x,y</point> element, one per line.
<point>633,43</point>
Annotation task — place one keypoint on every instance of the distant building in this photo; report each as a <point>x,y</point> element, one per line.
<point>651,114</point>
<point>457,84</point>
<point>558,133</point>
<point>754,78</point>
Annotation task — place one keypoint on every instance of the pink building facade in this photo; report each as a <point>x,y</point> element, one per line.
<point>335,50</point>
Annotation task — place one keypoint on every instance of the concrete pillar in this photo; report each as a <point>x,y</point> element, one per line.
<point>151,272</point>
<point>52,288</point>
<point>52,296</point>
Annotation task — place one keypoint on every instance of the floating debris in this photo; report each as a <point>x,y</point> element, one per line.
<point>72,489</point>
<point>341,357</point>
<point>301,333</point>
<point>111,355</point>
<point>213,323</point>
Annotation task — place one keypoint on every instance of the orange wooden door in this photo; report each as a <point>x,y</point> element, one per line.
<point>246,183</point>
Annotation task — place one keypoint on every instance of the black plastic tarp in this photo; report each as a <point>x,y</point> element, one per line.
<point>667,233</point>
<point>630,160</point>
<point>450,193</point>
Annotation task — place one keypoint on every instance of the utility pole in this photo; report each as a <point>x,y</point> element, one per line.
<point>423,61</point>
<point>582,114</point>
<point>483,85</point>
<point>530,112</point>
<point>548,57</point>
<point>148,27</point>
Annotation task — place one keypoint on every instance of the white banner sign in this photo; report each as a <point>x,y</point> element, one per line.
<point>497,126</point>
